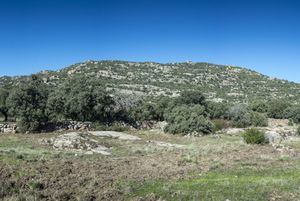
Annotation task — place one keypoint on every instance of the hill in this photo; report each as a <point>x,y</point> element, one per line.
<point>218,82</point>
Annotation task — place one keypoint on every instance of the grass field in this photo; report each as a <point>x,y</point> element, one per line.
<point>203,168</point>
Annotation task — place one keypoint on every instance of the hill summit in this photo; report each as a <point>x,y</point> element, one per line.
<point>217,82</point>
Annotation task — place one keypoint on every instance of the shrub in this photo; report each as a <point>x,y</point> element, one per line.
<point>254,136</point>
<point>240,115</point>
<point>258,119</point>
<point>191,98</point>
<point>293,113</point>
<point>220,124</point>
<point>259,106</point>
<point>146,111</point>
<point>277,109</point>
<point>188,119</point>
<point>217,110</point>
<point>243,117</point>
<point>30,126</point>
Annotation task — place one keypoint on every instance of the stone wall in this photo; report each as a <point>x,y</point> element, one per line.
<point>62,126</point>
<point>8,128</point>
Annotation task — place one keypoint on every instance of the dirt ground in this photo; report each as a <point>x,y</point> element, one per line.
<point>31,170</point>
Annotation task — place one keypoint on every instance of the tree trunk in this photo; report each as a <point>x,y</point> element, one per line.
<point>5,117</point>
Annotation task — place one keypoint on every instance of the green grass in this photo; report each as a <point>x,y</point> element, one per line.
<point>243,184</point>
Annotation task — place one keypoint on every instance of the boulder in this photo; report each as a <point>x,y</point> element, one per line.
<point>77,142</point>
<point>273,137</point>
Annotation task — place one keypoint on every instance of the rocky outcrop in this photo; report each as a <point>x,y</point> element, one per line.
<point>77,142</point>
<point>73,125</point>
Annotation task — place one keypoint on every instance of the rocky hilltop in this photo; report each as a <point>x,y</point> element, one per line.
<point>218,82</point>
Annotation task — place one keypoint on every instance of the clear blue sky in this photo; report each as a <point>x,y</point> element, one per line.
<point>50,34</point>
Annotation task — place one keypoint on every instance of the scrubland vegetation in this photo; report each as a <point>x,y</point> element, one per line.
<point>210,147</point>
<point>35,105</point>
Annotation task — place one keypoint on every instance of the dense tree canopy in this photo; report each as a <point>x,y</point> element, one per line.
<point>78,99</point>
<point>27,103</point>
<point>3,103</point>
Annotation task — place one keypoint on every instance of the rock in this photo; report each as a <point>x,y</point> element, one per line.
<point>78,142</point>
<point>8,128</point>
<point>273,137</point>
<point>114,134</point>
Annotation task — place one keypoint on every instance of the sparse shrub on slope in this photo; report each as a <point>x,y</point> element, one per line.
<point>254,136</point>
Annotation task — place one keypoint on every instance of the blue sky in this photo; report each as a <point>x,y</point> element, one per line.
<point>40,34</point>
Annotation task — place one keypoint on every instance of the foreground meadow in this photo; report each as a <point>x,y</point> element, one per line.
<point>155,167</point>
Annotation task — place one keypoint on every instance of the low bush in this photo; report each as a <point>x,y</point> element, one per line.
<point>254,136</point>
<point>220,124</point>
<point>258,119</point>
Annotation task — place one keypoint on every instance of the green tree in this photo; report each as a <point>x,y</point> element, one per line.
<point>27,103</point>
<point>3,103</point>
<point>276,109</point>
<point>259,106</point>
<point>217,110</point>
<point>81,100</point>
<point>192,97</point>
<point>293,113</point>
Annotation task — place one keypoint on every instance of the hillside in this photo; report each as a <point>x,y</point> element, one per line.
<point>218,82</point>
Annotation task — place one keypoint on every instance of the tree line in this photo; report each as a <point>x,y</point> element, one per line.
<point>34,104</point>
